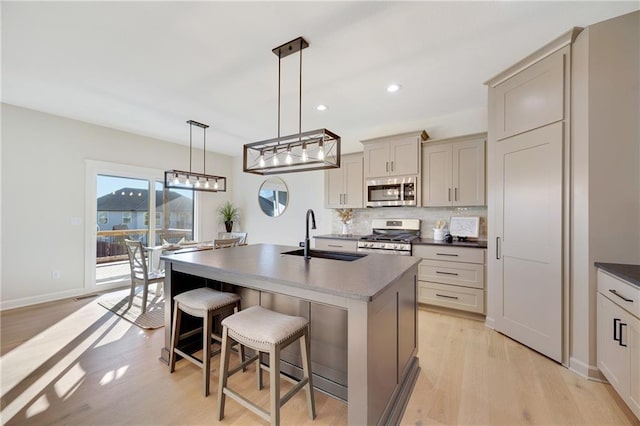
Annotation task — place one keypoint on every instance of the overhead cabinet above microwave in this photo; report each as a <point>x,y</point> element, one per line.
<point>397,155</point>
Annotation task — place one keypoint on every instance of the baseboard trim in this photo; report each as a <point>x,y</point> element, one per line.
<point>590,372</point>
<point>490,322</point>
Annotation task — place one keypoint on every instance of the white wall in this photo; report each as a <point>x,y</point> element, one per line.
<point>43,191</point>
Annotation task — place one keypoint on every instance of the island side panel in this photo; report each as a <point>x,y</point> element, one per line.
<point>382,352</point>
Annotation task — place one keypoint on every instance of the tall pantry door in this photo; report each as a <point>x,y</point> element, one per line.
<point>529,238</point>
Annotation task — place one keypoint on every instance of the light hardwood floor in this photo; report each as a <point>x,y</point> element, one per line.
<point>73,362</point>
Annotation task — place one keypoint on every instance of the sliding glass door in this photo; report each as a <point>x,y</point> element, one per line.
<point>128,207</point>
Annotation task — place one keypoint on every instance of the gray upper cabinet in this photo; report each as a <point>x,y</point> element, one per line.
<point>397,155</point>
<point>530,99</point>
<point>453,172</point>
<point>344,186</point>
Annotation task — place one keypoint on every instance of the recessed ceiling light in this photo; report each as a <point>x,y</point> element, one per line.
<point>393,88</point>
<point>321,107</point>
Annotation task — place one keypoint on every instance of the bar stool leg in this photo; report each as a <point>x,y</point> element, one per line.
<point>224,369</point>
<point>177,314</point>
<point>259,371</point>
<point>274,383</point>
<point>206,351</point>
<point>306,363</point>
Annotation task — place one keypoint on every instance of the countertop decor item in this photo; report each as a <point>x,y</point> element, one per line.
<point>346,216</point>
<point>312,150</point>
<point>181,179</point>
<point>228,213</point>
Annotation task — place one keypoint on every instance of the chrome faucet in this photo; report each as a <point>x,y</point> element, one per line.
<point>306,238</point>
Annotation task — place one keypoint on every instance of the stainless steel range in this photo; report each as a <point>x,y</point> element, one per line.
<point>390,236</point>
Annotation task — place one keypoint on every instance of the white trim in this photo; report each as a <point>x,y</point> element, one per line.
<point>590,372</point>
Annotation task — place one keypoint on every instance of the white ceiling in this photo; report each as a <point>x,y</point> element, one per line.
<point>147,67</point>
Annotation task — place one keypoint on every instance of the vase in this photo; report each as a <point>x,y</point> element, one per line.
<point>228,225</point>
<point>345,229</point>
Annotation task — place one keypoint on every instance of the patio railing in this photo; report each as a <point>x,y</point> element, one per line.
<point>110,244</point>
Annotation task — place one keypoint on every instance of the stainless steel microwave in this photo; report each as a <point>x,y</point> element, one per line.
<point>392,192</point>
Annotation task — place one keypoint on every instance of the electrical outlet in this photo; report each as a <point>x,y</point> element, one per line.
<point>55,275</point>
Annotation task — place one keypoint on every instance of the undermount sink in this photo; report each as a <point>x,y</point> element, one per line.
<point>322,254</point>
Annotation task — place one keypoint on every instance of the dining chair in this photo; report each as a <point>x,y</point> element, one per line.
<point>140,273</point>
<point>227,235</point>
<point>227,242</point>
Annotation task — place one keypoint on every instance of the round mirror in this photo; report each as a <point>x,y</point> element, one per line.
<point>273,196</point>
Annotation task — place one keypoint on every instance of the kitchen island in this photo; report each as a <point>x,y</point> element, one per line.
<point>363,316</point>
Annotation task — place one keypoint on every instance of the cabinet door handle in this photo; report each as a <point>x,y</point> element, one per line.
<point>448,297</point>
<point>387,166</point>
<point>620,296</point>
<point>455,194</point>
<point>345,198</point>
<point>449,195</point>
<point>447,254</point>
<point>620,341</point>
<point>615,330</point>
<point>392,166</point>
<point>498,248</point>
<point>446,273</point>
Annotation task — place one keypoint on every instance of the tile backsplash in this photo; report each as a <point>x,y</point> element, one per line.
<point>361,223</point>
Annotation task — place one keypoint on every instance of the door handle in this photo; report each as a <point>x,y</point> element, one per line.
<point>498,248</point>
<point>387,166</point>
<point>455,194</point>
<point>449,196</point>
<point>392,166</point>
<point>620,341</point>
<point>615,330</point>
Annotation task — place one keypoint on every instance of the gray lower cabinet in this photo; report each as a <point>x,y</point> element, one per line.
<point>452,277</point>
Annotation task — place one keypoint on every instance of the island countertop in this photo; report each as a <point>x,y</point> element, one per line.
<point>264,264</point>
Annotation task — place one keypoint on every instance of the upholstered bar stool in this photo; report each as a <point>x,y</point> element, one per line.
<point>203,303</point>
<point>269,332</point>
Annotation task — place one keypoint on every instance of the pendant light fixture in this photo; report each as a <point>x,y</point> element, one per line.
<point>181,179</point>
<point>303,151</point>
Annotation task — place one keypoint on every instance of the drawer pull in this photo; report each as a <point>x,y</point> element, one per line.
<point>334,245</point>
<point>447,254</point>
<point>620,296</point>
<point>446,273</point>
<point>448,297</point>
<point>620,341</point>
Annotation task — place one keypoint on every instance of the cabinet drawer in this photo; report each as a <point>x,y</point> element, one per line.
<point>618,290</point>
<point>450,253</point>
<point>464,298</point>
<point>336,245</point>
<point>457,273</point>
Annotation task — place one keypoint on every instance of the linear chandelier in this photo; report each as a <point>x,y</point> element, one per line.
<point>303,151</point>
<point>181,179</point>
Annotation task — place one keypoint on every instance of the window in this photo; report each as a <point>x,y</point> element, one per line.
<point>146,219</point>
<point>103,218</point>
<point>126,218</point>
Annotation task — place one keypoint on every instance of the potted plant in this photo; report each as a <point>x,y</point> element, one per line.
<point>228,213</point>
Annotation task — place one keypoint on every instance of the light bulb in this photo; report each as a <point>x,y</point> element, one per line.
<point>320,151</point>
<point>206,184</point>
<point>197,182</point>
<point>288,159</point>
<point>275,157</point>
<point>304,152</point>
<point>215,184</point>
<point>176,180</point>
<point>261,159</point>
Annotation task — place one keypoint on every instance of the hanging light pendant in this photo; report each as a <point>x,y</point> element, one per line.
<point>300,152</point>
<point>181,179</point>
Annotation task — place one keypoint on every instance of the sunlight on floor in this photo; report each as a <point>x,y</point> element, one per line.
<point>47,359</point>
